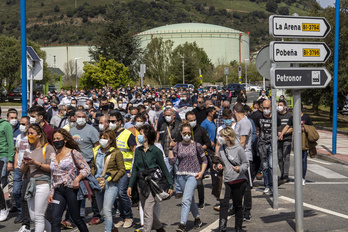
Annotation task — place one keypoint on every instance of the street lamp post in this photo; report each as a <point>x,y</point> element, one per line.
<point>183,69</point>
<point>246,72</point>
<point>76,69</point>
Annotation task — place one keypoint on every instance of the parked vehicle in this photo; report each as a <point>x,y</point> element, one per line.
<point>15,94</point>
<point>3,93</point>
<point>190,86</point>
<point>214,87</point>
<point>234,89</point>
<point>253,88</point>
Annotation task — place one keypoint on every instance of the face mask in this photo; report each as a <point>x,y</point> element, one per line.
<point>139,124</point>
<point>93,120</point>
<point>73,105</point>
<point>132,116</point>
<point>281,99</point>
<point>58,144</point>
<point>173,98</point>
<point>46,101</point>
<point>105,107</point>
<point>263,94</point>
<point>255,110</point>
<point>141,139</point>
<point>32,139</point>
<point>267,112</point>
<point>168,118</point>
<point>81,121</point>
<point>199,105</point>
<point>193,124</point>
<point>101,127</point>
<point>222,141</point>
<point>147,107</point>
<point>72,124</point>
<point>22,129</point>
<point>280,108</point>
<point>13,122</point>
<point>87,107</point>
<point>82,94</point>
<point>228,122</point>
<point>116,106</point>
<point>153,96</point>
<point>32,120</point>
<point>153,106</point>
<point>112,126</point>
<point>68,97</point>
<point>183,98</point>
<point>186,137</point>
<point>103,142</point>
<point>54,107</point>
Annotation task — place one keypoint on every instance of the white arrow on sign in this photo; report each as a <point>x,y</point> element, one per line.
<point>299,52</point>
<point>300,78</point>
<point>298,26</point>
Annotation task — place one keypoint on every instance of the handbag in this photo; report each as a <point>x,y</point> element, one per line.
<point>101,180</point>
<point>154,174</point>
<point>83,181</point>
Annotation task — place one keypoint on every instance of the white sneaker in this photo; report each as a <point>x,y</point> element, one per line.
<point>267,191</point>
<point>3,215</point>
<point>23,229</point>
<point>303,181</point>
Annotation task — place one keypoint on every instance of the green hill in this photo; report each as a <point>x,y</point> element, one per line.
<point>60,22</point>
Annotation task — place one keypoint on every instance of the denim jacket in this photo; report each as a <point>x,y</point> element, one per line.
<point>93,183</point>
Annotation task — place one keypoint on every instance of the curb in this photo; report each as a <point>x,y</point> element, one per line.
<point>331,158</point>
<point>330,129</point>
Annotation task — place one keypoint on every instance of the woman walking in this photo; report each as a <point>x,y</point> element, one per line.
<point>191,156</point>
<point>236,165</point>
<point>153,157</point>
<point>108,168</point>
<point>65,180</point>
<point>36,163</point>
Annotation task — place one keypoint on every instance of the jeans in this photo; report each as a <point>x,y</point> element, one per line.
<point>37,208</point>
<point>266,161</point>
<point>284,149</point>
<point>2,197</point>
<point>124,203</point>
<point>304,163</point>
<point>188,184</point>
<point>236,192</point>
<point>105,200</point>
<point>17,189</point>
<point>172,170</point>
<point>24,205</point>
<point>66,196</point>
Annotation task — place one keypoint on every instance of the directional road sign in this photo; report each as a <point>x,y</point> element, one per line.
<point>226,70</point>
<point>300,78</point>
<point>299,52</point>
<point>298,27</point>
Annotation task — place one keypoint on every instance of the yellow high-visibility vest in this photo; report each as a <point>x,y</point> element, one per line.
<point>122,145</point>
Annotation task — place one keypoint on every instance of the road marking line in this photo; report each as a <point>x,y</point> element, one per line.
<point>317,161</point>
<point>317,208</point>
<point>322,183</point>
<point>325,172</point>
<point>213,226</point>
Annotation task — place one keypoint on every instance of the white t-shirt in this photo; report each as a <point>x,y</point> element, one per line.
<point>152,116</point>
<point>23,145</point>
<point>222,127</point>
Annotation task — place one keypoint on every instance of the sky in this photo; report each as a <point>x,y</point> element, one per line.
<point>325,3</point>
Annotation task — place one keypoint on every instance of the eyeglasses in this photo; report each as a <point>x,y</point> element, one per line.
<point>22,124</point>
<point>186,133</point>
<point>112,121</point>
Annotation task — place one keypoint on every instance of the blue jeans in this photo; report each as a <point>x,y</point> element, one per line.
<point>304,163</point>
<point>17,189</point>
<point>172,169</point>
<point>188,184</point>
<point>266,161</point>
<point>124,203</point>
<point>105,200</point>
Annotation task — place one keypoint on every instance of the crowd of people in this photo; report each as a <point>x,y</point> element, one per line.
<point>131,145</point>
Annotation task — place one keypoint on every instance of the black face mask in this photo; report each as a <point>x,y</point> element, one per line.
<point>58,144</point>
<point>105,107</point>
<point>173,98</point>
<point>55,107</point>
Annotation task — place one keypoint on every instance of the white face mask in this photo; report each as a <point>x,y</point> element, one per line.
<point>168,118</point>
<point>132,116</point>
<point>73,105</point>
<point>267,112</point>
<point>101,127</point>
<point>103,143</point>
<point>81,121</point>
<point>87,107</point>
<point>139,124</point>
<point>112,126</point>
<point>13,122</point>
<point>183,98</point>
<point>193,124</point>
<point>32,120</point>
<point>280,108</point>
<point>72,124</point>
<point>22,128</point>
<point>221,140</point>
<point>186,137</point>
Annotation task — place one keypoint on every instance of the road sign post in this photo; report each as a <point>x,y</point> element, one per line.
<point>240,74</point>
<point>226,73</point>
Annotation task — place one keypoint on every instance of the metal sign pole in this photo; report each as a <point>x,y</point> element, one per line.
<point>274,145</point>
<point>24,57</point>
<point>31,88</point>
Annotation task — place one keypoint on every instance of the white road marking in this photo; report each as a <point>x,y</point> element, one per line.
<point>324,172</point>
<point>317,208</point>
<point>321,183</point>
<point>213,226</point>
<point>316,160</point>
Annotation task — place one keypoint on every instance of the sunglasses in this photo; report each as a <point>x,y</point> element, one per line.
<point>186,133</point>
<point>112,121</point>
<point>22,124</point>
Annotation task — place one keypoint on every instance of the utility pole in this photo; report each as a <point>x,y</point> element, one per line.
<point>183,69</point>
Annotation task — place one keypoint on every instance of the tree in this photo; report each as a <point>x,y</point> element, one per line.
<point>283,10</point>
<point>69,70</point>
<point>195,58</point>
<point>105,72</point>
<point>158,59</point>
<point>115,40</point>
<point>271,6</point>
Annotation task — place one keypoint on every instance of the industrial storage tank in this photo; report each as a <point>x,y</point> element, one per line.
<point>222,44</point>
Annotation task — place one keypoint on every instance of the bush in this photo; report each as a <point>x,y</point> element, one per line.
<point>56,8</point>
<point>272,6</point>
<point>283,10</point>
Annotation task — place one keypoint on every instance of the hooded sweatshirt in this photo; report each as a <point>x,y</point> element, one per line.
<point>235,157</point>
<point>6,140</point>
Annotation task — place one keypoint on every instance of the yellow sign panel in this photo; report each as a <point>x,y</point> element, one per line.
<point>310,27</point>
<point>311,52</point>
